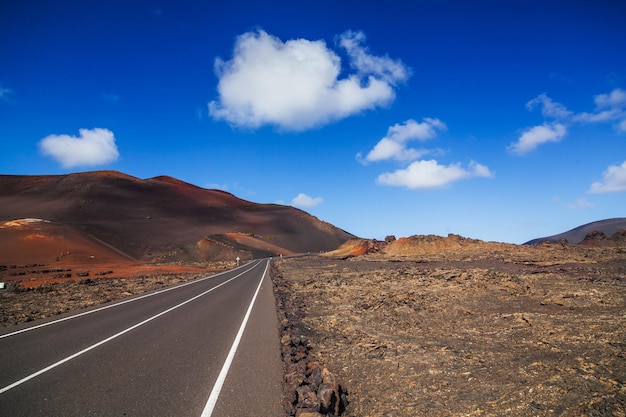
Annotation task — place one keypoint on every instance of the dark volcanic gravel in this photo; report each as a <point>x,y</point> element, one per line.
<point>20,305</point>
<point>516,330</point>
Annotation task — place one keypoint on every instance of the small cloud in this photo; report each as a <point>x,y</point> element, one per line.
<point>212,186</point>
<point>616,98</point>
<point>429,174</point>
<point>304,201</point>
<point>549,108</point>
<point>560,77</point>
<point>610,107</point>
<point>613,180</point>
<point>599,117</point>
<point>5,93</point>
<point>538,135</point>
<point>233,188</point>
<point>93,147</point>
<point>579,203</point>
<point>394,144</point>
<point>383,67</point>
<point>111,98</point>
<point>295,85</point>
<point>615,79</point>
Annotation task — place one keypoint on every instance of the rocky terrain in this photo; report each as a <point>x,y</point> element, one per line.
<point>21,303</point>
<point>457,327</point>
<point>417,326</point>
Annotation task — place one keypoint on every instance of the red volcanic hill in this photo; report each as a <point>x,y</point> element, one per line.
<point>159,218</point>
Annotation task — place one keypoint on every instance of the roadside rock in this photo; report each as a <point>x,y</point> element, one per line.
<point>310,388</point>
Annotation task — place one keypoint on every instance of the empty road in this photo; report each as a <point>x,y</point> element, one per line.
<point>206,348</point>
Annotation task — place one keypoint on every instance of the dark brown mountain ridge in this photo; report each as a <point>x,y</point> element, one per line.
<point>163,218</point>
<point>608,227</point>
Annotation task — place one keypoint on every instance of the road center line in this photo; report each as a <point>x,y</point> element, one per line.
<point>119,303</point>
<point>108,339</point>
<point>215,393</point>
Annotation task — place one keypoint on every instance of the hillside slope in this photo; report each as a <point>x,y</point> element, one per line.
<point>159,218</point>
<point>609,227</point>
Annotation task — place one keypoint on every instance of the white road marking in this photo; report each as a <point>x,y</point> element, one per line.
<point>77,354</point>
<point>215,393</point>
<point>118,304</point>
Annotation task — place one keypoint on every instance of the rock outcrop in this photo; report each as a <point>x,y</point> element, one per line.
<point>311,390</point>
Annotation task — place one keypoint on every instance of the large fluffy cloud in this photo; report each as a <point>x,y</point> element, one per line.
<point>93,147</point>
<point>394,144</point>
<point>296,85</point>
<point>304,201</point>
<point>538,135</point>
<point>430,174</point>
<point>613,180</point>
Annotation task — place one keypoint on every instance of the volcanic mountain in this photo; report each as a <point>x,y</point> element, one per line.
<point>608,227</point>
<point>161,218</point>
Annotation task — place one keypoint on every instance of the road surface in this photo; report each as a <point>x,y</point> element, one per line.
<point>206,348</point>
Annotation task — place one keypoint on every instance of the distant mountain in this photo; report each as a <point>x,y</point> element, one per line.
<point>609,227</point>
<point>163,218</point>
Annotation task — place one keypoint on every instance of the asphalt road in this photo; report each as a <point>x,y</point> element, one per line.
<point>206,348</point>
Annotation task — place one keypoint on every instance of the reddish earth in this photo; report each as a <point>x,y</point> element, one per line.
<point>35,252</point>
<point>163,219</point>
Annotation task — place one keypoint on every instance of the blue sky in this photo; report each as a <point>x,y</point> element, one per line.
<point>501,121</point>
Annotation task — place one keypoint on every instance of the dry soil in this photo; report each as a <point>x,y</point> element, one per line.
<point>499,330</point>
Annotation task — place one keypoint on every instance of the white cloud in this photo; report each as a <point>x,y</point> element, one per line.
<point>579,203</point>
<point>4,93</point>
<point>613,180</point>
<point>295,85</point>
<point>430,174</point>
<point>616,98</point>
<point>549,108</point>
<point>387,69</point>
<point>538,135</point>
<point>215,186</point>
<point>304,201</point>
<point>394,144</point>
<point>93,147</point>
<point>599,117</point>
<point>610,107</point>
